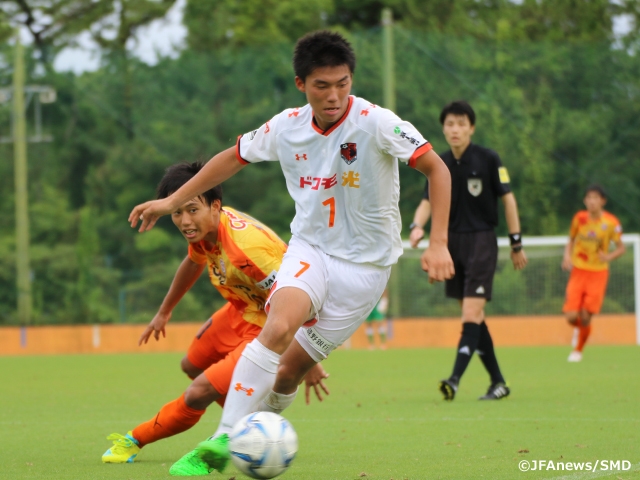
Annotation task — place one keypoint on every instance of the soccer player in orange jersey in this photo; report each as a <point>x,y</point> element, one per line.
<point>242,256</point>
<point>587,256</point>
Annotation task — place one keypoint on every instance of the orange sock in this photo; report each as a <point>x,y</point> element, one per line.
<point>175,417</point>
<point>583,336</point>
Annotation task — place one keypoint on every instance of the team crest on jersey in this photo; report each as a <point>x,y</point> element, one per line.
<point>348,152</point>
<point>475,186</point>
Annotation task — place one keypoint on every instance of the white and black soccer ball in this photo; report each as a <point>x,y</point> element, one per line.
<point>263,445</point>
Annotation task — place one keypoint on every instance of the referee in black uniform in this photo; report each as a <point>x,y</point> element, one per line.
<point>478,179</point>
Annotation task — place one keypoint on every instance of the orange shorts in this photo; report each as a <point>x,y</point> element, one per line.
<point>585,290</point>
<point>218,345</point>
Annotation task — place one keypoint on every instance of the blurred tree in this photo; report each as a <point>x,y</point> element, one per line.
<point>560,110</point>
<point>55,24</point>
<point>215,23</point>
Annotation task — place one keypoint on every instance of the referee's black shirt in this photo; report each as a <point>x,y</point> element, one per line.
<point>477,181</point>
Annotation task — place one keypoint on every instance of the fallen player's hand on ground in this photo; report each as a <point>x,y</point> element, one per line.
<point>155,327</point>
<point>314,379</point>
<point>436,261</point>
<point>149,213</point>
<point>519,259</point>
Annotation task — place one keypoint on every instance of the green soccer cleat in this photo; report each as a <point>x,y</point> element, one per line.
<point>215,452</point>
<point>125,449</point>
<point>190,465</point>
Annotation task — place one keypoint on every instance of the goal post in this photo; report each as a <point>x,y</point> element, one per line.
<point>537,290</point>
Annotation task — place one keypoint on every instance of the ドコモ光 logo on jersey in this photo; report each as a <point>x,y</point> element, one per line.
<point>349,152</point>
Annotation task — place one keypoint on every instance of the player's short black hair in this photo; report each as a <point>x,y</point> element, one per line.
<point>322,49</point>
<point>459,107</point>
<point>177,175</point>
<point>596,187</point>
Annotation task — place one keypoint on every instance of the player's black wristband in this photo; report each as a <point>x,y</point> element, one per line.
<point>515,239</point>
<point>413,225</point>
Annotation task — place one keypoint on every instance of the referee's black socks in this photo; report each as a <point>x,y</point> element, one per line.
<point>468,344</point>
<point>488,355</point>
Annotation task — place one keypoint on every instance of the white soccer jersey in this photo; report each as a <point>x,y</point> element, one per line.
<point>345,180</point>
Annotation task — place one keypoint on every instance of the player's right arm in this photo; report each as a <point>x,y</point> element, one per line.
<point>566,258</point>
<point>567,263</point>
<point>221,167</point>
<point>420,219</point>
<point>186,275</point>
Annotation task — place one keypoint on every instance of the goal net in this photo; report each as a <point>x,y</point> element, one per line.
<point>537,290</point>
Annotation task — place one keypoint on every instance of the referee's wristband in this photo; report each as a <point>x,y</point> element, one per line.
<point>515,239</point>
<point>413,225</point>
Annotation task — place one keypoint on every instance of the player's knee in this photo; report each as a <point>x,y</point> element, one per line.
<point>200,394</point>
<point>572,318</point>
<point>585,317</point>
<point>278,334</point>
<point>189,369</point>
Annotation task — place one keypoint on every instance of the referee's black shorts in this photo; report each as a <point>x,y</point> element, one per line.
<point>475,256</point>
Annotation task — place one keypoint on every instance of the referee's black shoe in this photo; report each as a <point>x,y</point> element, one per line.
<point>496,392</point>
<point>448,388</point>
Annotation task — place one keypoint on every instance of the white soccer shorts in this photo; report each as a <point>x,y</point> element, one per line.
<point>342,293</point>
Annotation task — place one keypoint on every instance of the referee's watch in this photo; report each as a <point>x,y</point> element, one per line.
<point>413,225</point>
<point>516,248</point>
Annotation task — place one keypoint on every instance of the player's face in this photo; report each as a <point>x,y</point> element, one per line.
<point>198,221</point>
<point>594,202</point>
<point>457,130</point>
<point>327,90</point>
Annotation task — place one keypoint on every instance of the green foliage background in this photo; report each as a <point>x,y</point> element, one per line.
<point>555,91</point>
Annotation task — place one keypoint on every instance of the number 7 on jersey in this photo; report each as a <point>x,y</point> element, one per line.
<point>331,203</point>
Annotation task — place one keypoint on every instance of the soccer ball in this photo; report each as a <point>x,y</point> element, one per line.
<point>263,445</point>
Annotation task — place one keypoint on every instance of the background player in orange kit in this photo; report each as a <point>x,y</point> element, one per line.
<point>243,257</point>
<point>587,255</point>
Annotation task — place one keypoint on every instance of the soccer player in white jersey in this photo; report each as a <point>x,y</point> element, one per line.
<point>338,154</point>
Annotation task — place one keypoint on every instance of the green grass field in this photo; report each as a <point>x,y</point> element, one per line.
<point>383,420</point>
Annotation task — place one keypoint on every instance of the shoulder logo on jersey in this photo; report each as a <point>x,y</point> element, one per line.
<point>349,152</point>
<point>268,282</point>
<point>475,186</point>
<point>235,222</point>
<point>405,135</point>
<point>294,113</point>
<point>252,135</point>
<point>504,175</point>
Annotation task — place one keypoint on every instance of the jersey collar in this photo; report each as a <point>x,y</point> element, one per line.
<point>328,131</point>
<point>464,157</point>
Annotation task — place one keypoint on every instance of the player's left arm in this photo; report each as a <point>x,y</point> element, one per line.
<point>315,379</point>
<point>518,256</point>
<point>436,259</point>
<point>615,253</point>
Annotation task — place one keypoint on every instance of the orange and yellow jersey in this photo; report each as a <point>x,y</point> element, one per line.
<point>592,236</point>
<point>243,262</point>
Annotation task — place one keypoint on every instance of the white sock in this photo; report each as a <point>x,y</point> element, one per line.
<point>574,339</point>
<point>252,380</point>
<point>277,402</point>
